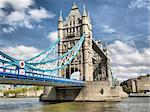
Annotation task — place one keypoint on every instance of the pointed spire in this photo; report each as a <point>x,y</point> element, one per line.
<point>60,16</point>
<point>84,11</point>
<point>89,16</point>
<point>74,6</point>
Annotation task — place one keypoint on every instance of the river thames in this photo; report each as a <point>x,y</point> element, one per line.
<point>134,104</point>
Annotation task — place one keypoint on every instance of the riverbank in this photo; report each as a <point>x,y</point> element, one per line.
<point>139,95</point>
<point>22,92</point>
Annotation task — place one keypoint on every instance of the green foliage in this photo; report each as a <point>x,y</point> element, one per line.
<point>148,75</point>
<point>141,91</point>
<point>127,89</point>
<point>15,91</point>
<point>36,88</point>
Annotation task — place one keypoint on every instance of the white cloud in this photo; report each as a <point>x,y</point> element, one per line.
<point>16,16</point>
<point>140,4</point>
<point>148,39</point>
<point>53,36</point>
<point>19,19</point>
<point>107,29</point>
<point>22,15</point>
<point>40,26</point>
<point>124,76</point>
<point>21,51</point>
<point>17,4</point>
<point>127,59</point>
<point>8,30</point>
<point>39,14</point>
<point>2,3</point>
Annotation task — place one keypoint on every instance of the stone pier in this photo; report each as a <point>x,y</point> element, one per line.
<point>93,91</point>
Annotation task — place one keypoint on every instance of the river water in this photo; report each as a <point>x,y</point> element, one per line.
<point>134,104</point>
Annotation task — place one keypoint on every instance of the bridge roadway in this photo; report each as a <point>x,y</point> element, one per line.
<point>8,76</point>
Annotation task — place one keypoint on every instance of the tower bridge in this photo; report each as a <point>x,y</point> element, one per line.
<point>74,68</point>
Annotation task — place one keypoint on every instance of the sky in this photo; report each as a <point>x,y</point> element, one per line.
<point>29,26</point>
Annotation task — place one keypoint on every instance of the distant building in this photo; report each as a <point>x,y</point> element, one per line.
<point>139,84</point>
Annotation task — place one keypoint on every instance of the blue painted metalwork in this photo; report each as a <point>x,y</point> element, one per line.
<point>50,48</point>
<point>78,46</point>
<point>50,80</point>
<point>30,65</point>
<point>63,55</point>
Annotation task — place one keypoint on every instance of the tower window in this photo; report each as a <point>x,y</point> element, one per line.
<point>72,44</point>
<point>77,28</point>
<point>102,91</point>
<point>78,20</point>
<point>70,23</point>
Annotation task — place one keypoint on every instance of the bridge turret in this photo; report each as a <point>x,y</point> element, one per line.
<point>70,31</point>
<point>90,24</point>
<point>60,34</point>
<point>87,47</point>
<point>85,21</point>
<point>60,26</point>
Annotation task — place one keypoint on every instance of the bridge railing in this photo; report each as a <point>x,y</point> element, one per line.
<point>37,75</point>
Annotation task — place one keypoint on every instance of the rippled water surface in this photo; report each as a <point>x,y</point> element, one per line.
<point>134,104</point>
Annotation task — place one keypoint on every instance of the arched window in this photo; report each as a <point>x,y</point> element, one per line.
<point>102,91</point>
<point>72,44</point>
<point>77,28</point>
<point>73,29</point>
<point>70,23</point>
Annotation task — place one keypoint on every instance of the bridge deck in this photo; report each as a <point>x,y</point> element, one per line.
<point>37,79</point>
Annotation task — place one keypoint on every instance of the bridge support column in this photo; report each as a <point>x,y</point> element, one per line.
<point>92,91</point>
<point>87,58</point>
<point>49,94</point>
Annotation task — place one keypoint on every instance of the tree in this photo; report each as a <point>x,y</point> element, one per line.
<point>127,89</point>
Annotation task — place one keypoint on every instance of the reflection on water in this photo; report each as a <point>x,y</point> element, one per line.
<point>140,104</point>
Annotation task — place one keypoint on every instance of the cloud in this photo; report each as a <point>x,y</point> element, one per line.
<point>39,14</point>
<point>22,15</point>
<point>18,19</point>
<point>107,29</point>
<point>16,16</point>
<point>126,59</point>
<point>17,4</point>
<point>21,51</point>
<point>40,26</point>
<point>8,30</point>
<point>140,4</point>
<point>148,39</point>
<point>2,3</point>
<point>52,36</point>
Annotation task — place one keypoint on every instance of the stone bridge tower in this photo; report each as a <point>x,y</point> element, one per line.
<point>70,31</point>
<point>92,61</point>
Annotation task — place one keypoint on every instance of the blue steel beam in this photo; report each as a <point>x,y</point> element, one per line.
<point>7,56</point>
<point>50,48</point>
<point>37,79</point>
<point>62,56</point>
<point>63,66</point>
